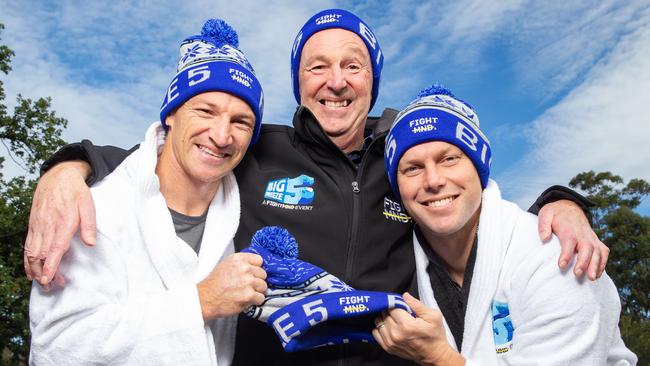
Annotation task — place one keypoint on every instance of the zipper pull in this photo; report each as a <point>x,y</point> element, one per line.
<point>355,187</point>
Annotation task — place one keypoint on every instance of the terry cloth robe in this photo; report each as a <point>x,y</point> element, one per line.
<point>522,309</point>
<point>132,299</point>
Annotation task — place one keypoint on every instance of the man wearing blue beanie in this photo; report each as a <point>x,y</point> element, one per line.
<point>163,286</point>
<point>490,292</point>
<point>323,180</point>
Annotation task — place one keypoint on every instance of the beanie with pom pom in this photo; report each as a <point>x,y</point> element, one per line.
<point>212,61</point>
<point>437,115</point>
<point>308,307</point>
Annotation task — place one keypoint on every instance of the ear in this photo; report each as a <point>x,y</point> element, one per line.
<point>170,119</point>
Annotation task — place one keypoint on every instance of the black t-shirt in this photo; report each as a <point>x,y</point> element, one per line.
<point>450,296</point>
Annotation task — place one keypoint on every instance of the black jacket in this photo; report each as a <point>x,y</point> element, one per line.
<point>354,228</point>
<point>344,218</point>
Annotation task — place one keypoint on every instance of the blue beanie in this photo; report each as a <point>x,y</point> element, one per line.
<point>308,307</point>
<point>436,115</point>
<point>209,62</point>
<point>337,18</point>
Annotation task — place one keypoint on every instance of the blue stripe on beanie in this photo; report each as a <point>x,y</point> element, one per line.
<point>308,307</point>
<point>211,61</point>
<point>338,18</point>
<point>437,116</point>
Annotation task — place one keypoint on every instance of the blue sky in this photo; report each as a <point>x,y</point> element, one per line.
<point>560,86</point>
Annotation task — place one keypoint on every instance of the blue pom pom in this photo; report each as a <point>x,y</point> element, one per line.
<point>220,32</point>
<point>276,240</point>
<point>437,89</point>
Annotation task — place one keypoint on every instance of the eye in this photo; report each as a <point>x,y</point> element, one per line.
<point>317,69</point>
<point>409,170</point>
<point>243,123</point>
<point>353,68</point>
<point>203,111</point>
<point>449,160</point>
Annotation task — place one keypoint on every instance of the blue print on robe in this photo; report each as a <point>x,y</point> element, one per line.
<point>502,327</point>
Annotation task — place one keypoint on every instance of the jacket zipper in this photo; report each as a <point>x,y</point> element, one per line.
<point>356,208</point>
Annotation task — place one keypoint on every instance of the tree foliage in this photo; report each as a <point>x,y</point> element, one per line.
<point>627,234</point>
<point>30,134</point>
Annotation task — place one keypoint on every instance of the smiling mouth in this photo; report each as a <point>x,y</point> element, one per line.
<point>442,202</point>
<point>212,153</point>
<point>335,104</point>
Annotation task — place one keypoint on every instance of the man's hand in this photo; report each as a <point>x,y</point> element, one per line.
<point>62,204</point>
<point>420,339</point>
<point>234,284</point>
<point>567,220</point>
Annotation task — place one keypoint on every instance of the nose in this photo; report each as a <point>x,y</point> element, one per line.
<point>434,178</point>
<point>221,133</point>
<point>336,79</point>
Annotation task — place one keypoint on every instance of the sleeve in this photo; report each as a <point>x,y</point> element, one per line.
<point>102,318</point>
<point>556,193</point>
<point>560,319</point>
<point>102,159</point>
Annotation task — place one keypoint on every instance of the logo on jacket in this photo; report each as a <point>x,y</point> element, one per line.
<point>502,327</point>
<point>395,212</point>
<point>290,193</point>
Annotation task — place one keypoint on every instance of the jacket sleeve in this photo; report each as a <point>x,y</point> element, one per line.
<point>559,319</point>
<point>101,318</point>
<point>102,159</point>
<point>556,193</point>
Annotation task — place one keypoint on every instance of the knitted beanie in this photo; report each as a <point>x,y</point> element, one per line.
<point>308,307</point>
<point>436,115</point>
<point>211,61</point>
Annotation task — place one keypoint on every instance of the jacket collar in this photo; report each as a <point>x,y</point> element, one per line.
<point>308,129</point>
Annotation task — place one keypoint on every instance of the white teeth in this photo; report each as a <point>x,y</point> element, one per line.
<point>207,151</point>
<point>339,104</point>
<point>441,202</point>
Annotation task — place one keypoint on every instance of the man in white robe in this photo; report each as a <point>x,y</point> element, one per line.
<point>152,293</point>
<point>490,293</point>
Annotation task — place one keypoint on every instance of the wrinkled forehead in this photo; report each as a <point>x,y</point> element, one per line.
<point>322,43</point>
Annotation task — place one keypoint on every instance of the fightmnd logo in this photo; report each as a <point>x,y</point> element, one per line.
<point>290,193</point>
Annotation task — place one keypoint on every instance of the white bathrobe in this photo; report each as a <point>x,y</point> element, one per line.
<point>557,318</point>
<point>132,299</point>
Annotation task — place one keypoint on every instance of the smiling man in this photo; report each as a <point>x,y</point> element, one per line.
<point>335,78</point>
<point>494,295</point>
<point>323,180</point>
<point>163,286</point>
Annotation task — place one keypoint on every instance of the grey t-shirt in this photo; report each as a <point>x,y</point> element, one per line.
<point>189,228</point>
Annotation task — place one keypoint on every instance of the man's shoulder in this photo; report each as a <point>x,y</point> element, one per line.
<point>276,128</point>
<point>381,124</point>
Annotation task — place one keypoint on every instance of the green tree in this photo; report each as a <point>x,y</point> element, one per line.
<point>30,135</point>
<point>627,234</point>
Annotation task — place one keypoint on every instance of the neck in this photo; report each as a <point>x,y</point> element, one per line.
<point>454,249</point>
<point>182,194</point>
<point>349,143</point>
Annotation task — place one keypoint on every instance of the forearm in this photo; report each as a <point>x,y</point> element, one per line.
<point>556,193</point>
<point>102,160</point>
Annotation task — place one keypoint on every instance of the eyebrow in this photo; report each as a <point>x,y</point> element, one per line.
<point>440,153</point>
<point>353,51</point>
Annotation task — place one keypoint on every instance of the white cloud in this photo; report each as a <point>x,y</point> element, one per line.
<point>107,67</point>
<point>600,125</point>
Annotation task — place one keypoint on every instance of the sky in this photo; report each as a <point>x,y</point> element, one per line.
<point>555,83</point>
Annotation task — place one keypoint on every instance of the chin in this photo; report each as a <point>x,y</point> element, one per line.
<point>441,227</point>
